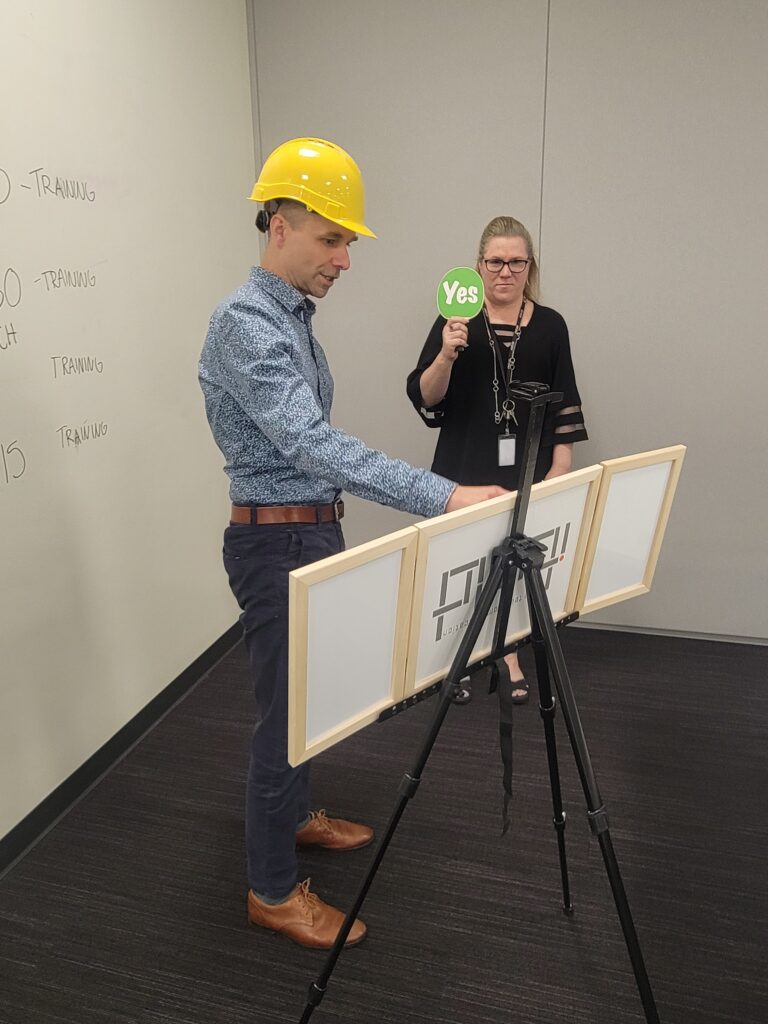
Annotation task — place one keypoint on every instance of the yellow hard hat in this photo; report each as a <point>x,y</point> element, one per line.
<point>319,174</point>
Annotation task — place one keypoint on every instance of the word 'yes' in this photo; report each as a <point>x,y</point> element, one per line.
<point>462,294</point>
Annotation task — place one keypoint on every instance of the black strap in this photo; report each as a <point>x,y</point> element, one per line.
<point>499,347</point>
<point>500,673</point>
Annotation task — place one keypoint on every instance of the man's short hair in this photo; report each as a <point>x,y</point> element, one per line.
<point>293,211</point>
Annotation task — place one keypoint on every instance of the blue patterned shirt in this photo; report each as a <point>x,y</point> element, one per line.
<point>268,394</point>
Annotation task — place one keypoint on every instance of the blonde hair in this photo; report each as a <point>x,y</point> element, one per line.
<point>508,227</point>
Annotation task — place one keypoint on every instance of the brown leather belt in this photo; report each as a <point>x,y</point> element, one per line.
<point>258,515</point>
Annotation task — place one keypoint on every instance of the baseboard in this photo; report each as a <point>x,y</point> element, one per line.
<point>31,829</point>
<point>723,638</point>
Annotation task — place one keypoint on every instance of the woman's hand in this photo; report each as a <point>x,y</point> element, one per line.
<point>455,334</point>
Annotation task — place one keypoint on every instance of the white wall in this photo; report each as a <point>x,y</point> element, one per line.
<point>643,174</point>
<point>110,549</point>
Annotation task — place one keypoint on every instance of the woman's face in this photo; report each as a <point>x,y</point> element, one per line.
<point>505,287</point>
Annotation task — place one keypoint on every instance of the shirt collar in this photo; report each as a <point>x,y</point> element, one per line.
<point>285,293</point>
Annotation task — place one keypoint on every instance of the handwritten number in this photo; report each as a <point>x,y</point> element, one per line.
<point>12,449</point>
<point>9,277</point>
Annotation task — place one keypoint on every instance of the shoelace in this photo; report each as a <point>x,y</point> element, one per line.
<point>322,820</point>
<point>309,899</point>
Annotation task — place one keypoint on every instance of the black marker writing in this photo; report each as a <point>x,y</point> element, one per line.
<point>8,337</point>
<point>14,463</point>
<point>61,188</point>
<point>68,279</point>
<point>10,292</point>
<point>73,437</point>
<point>64,366</point>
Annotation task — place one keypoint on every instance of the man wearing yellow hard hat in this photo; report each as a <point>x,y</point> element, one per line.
<point>268,394</point>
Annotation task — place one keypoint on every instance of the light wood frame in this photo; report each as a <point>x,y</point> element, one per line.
<point>301,583</point>
<point>432,528</point>
<point>611,469</point>
<point>590,475</point>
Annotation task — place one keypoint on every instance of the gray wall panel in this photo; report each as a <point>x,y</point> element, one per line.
<point>653,229</point>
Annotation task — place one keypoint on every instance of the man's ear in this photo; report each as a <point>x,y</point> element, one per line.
<point>278,229</point>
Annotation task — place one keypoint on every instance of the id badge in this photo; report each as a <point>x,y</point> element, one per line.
<point>507,449</point>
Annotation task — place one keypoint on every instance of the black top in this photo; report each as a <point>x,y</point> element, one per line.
<point>467,449</point>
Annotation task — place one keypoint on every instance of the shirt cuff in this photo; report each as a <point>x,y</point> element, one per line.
<point>431,493</point>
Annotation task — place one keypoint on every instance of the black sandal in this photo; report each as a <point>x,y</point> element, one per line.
<point>464,693</point>
<point>516,697</point>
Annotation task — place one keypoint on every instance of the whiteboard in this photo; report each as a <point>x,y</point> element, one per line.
<point>631,514</point>
<point>126,155</point>
<point>348,629</point>
<point>454,558</point>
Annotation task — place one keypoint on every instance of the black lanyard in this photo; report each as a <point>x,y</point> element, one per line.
<point>507,367</point>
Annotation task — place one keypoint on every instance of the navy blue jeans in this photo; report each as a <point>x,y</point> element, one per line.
<point>258,560</point>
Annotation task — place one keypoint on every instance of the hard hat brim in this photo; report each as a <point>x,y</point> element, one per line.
<point>359,229</point>
<point>318,204</point>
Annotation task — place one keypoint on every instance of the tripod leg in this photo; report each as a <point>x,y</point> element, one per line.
<point>547,707</point>
<point>412,779</point>
<point>598,818</point>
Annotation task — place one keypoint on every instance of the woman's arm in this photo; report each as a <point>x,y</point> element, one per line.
<point>562,457</point>
<point>436,378</point>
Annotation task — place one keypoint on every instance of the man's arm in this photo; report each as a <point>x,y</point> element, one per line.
<point>264,381</point>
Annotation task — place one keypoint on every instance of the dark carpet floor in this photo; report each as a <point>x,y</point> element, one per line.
<point>131,910</point>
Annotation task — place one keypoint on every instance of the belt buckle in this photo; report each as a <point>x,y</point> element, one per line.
<point>338,510</point>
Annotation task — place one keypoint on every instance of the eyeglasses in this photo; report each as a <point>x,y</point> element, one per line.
<point>495,266</point>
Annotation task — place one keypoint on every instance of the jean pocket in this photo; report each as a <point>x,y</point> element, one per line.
<point>261,544</point>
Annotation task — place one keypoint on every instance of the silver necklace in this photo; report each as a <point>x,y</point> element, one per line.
<point>507,411</point>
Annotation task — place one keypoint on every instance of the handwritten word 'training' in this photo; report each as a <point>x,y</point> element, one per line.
<point>61,188</point>
<point>73,437</point>
<point>64,366</point>
<point>68,279</point>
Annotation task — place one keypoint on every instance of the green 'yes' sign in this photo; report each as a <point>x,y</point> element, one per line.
<point>460,293</point>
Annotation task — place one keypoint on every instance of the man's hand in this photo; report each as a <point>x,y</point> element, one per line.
<point>462,497</point>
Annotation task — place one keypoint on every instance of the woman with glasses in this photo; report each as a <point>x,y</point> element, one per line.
<point>466,370</point>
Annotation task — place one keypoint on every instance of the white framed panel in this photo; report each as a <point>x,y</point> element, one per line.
<point>454,557</point>
<point>631,515</point>
<point>348,630</point>
<point>452,562</point>
<point>559,517</point>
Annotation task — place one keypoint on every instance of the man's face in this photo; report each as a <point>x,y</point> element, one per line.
<point>314,251</point>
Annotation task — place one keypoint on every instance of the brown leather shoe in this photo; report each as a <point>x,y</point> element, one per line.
<point>304,918</point>
<point>333,833</point>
